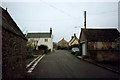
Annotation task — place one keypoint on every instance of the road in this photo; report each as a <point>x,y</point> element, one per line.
<point>62,64</point>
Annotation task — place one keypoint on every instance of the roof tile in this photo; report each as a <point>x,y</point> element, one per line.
<point>101,34</point>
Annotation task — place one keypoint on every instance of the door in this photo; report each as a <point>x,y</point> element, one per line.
<point>83,49</point>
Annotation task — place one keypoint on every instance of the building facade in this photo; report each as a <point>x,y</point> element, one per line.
<point>63,44</point>
<point>99,43</point>
<point>13,48</point>
<point>74,42</point>
<point>38,39</point>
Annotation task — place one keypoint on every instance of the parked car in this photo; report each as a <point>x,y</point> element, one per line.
<point>75,50</point>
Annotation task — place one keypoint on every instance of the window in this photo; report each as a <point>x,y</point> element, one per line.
<point>46,40</point>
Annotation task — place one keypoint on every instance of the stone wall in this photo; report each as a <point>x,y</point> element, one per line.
<point>13,55</point>
<point>101,45</point>
<point>108,56</point>
<point>102,51</point>
<point>104,55</point>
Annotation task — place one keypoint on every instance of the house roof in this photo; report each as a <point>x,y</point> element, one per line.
<point>9,24</point>
<point>73,38</point>
<point>100,34</point>
<point>38,35</point>
<point>62,41</point>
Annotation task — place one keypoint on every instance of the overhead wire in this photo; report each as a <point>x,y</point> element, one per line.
<point>76,18</point>
<point>105,12</point>
<point>60,10</point>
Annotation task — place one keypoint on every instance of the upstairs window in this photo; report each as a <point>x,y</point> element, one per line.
<point>46,40</point>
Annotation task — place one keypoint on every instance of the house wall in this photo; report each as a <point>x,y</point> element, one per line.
<point>75,42</point>
<point>82,38</point>
<point>101,45</point>
<point>49,43</point>
<point>13,55</point>
<point>63,43</point>
<point>108,55</point>
<point>13,48</point>
<point>33,41</point>
<point>102,51</point>
<point>41,41</point>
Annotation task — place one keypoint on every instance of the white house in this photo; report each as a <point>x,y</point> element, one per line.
<point>38,39</point>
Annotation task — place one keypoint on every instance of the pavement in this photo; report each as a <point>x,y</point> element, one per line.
<point>111,67</point>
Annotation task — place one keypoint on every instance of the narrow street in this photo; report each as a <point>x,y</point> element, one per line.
<point>62,64</point>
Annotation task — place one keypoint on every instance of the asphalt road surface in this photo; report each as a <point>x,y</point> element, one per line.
<point>62,64</point>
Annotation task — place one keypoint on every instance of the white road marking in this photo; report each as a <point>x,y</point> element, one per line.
<point>31,69</point>
<point>32,61</point>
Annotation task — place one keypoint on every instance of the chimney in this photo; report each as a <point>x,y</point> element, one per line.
<point>74,34</point>
<point>50,30</point>
<point>6,9</point>
<point>85,19</point>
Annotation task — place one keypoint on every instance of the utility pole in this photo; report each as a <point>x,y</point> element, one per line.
<point>85,19</point>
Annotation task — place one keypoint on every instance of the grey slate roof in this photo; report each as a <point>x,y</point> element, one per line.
<point>101,34</point>
<point>38,35</point>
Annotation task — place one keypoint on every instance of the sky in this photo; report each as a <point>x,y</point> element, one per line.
<point>65,17</point>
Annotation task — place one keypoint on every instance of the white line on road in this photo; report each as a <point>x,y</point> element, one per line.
<point>31,69</point>
<point>32,61</point>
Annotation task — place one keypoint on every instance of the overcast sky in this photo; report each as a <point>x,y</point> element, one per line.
<point>64,17</point>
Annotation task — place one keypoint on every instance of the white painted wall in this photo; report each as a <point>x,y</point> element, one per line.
<point>49,43</point>
<point>41,41</point>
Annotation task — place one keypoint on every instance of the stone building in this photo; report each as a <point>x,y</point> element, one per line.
<point>99,43</point>
<point>13,48</point>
